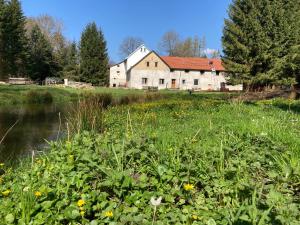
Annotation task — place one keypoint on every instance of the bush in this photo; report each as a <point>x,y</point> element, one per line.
<point>35,97</point>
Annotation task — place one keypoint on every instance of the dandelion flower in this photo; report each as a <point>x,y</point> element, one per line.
<point>188,187</point>
<point>6,193</point>
<point>37,194</point>
<point>109,214</point>
<point>155,202</point>
<point>80,202</point>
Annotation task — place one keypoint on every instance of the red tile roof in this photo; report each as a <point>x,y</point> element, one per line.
<point>188,63</point>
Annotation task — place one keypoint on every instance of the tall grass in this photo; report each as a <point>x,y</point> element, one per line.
<point>87,113</point>
<point>35,97</point>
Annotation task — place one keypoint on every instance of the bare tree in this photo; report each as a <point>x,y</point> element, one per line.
<point>169,43</point>
<point>51,27</point>
<point>128,45</point>
<point>172,45</point>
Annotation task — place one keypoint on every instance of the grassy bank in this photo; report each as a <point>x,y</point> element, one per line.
<point>210,160</point>
<point>23,94</point>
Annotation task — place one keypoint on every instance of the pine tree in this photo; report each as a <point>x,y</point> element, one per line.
<point>3,28</point>
<point>71,70</point>
<point>15,45</point>
<point>259,41</point>
<point>41,63</point>
<point>93,56</point>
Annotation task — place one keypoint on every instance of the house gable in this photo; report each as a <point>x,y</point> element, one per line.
<point>152,62</point>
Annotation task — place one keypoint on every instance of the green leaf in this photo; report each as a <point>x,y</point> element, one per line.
<point>10,218</point>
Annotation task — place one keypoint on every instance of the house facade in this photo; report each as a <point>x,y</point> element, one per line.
<point>152,70</point>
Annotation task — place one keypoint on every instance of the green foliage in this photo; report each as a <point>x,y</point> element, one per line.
<point>13,41</point>
<point>71,68</point>
<point>257,49</point>
<point>93,56</point>
<point>240,162</point>
<point>39,97</point>
<point>42,63</point>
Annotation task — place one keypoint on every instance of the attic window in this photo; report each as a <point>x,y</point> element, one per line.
<point>156,64</point>
<point>141,49</point>
<point>148,64</point>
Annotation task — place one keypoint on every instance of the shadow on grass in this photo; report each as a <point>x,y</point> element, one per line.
<point>293,107</point>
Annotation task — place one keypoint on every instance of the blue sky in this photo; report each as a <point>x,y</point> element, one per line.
<point>147,19</point>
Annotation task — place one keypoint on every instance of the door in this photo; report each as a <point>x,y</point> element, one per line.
<point>173,83</point>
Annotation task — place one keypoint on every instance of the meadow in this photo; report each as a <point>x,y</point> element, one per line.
<point>167,159</point>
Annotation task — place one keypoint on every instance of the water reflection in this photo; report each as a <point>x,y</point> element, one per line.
<point>36,123</point>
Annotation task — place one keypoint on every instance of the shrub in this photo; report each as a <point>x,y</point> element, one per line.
<point>35,97</point>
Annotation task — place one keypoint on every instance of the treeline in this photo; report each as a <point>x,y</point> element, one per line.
<point>36,48</point>
<point>261,43</point>
<point>172,44</point>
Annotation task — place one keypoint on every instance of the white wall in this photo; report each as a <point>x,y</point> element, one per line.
<point>117,75</point>
<point>118,72</point>
<point>206,81</point>
<point>136,56</point>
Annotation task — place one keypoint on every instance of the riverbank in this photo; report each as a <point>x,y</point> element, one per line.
<point>210,160</point>
<point>35,94</point>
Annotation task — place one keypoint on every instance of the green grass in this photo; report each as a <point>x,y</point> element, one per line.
<point>211,160</point>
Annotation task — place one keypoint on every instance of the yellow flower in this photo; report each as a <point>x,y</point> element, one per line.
<point>109,214</point>
<point>82,213</point>
<point>37,194</point>
<point>6,193</point>
<point>81,208</point>
<point>195,217</point>
<point>80,202</point>
<point>188,187</point>
<point>1,164</point>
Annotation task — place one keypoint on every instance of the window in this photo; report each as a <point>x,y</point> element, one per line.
<point>171,70</point>
<point>141,49</point>
<point>114,85</point>
<point>187,71</point>
<point>118,72</point>
<point>148,64</point>
<point>156,64</point>
<point>218,73</point>
<point>161,81</point>
<point>118,65</point>
<point>144,80</point>
<point>202,72</point>
<point>183,81</point>
<point>196,81</point>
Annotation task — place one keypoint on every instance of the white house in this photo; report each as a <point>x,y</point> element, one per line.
<point>143,69</point>
<point>118,72</point>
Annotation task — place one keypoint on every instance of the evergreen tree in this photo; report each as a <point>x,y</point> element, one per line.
<point>15,42</point>
<point>71,70</point>
<point>41,63</point>
<point>3,31</point>
<point>93,56</point>
<point>260,40</point>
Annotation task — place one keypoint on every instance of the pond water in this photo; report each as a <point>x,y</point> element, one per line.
<point>35,124</point>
